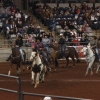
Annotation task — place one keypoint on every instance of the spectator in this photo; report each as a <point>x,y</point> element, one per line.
<point>51,37</point>
<point>1,25</point>
<point>2,10</point>
<point>88,29</point>
<point>46,43</point>
<point>6,28</point>
<point>83,40</point>
<point>17,15</point>
<point>47,98</point>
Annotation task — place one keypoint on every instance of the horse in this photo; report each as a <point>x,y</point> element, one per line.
<point>69,52</point>
<point>91,58</point>
<point>16,59</point>
<point>38,68</point>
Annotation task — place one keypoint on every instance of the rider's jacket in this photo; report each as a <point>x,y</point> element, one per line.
<point>39,46</point>
<point>46,41</point>
<point>19,43</point>
<point>93,43</point>
<point>61,41</point>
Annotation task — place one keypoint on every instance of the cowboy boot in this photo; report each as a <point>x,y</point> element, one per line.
<point>8,59</point>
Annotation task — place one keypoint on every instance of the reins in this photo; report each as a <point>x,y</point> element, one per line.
<point>15,57</point>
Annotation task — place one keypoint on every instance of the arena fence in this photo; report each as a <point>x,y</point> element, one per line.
<point>6,52</point>
<point>13,91</point>
<point>52,96</point>
<point>22,94</point>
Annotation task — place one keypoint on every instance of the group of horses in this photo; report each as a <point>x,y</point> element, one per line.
<point>38,67</point>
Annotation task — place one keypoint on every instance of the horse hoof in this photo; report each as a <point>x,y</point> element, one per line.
<point>35,86</point>
<point>63,66</point>
<point>96,72</point>
<point>28,68</point>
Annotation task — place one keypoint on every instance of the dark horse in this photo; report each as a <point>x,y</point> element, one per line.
<point>16,59</point>
<point>69,52</point>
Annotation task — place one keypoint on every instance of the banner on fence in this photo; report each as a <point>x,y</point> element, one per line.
<point>79,51</point>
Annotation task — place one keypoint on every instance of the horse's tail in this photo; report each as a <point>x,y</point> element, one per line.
<point>77,56</point>
<point>56,63</point>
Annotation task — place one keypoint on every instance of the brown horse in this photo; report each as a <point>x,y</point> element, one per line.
<point>69,52</point>
<point>16,59</point>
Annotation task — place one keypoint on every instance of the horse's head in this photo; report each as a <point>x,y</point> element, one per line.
<point>15,51</point>
<point>33,55</point>
<point>85,51</point>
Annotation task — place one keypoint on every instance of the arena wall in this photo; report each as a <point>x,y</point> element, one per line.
<point>5,52</point>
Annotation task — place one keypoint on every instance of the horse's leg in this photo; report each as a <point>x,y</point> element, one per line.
<point>37,80</point>
<point>56,63</point>
<point>9,72</point>
<point>24,61</point>
<point>32,77</point>
<point>98,66</point>
<point>18,69</point>
<point>43,74</point>
<point>23,66</point>
<point>89,67</point>
<point>67,62</point>
<point>73,61</point>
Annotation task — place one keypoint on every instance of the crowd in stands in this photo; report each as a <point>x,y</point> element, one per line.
<point>77,22</point>
<point>14,22</point>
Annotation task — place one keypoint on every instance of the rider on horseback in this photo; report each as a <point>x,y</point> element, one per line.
<point>40,47</point>
<point>19,44</point>
<point>62,44</point>
<point>93,45</point>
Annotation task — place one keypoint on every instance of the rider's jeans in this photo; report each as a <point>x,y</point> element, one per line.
<point>21,52</point>
<point>45,59</point>
<point>47,48</point>
<point>97,53</point>
<point>63,49</point>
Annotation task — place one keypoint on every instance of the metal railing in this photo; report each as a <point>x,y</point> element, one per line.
<point>13,91</point>
<point>22,94</point>
<point>52,96</point>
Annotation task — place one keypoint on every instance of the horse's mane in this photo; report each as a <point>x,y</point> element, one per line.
<point>55,46</point>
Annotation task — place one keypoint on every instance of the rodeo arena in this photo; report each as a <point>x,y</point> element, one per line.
<point>49,49</point>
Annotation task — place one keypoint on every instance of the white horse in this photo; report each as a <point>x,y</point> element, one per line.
<point>90,59</point>
<point>38,68</point>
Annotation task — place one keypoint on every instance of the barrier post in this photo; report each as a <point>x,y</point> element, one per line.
<point>19,88</point>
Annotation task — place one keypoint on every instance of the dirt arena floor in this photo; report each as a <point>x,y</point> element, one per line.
<point>70,82</point>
